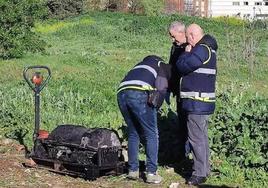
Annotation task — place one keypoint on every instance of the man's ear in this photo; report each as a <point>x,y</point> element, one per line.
<point>192,36</point>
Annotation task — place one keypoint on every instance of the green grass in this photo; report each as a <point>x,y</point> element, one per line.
<point>89,55</point>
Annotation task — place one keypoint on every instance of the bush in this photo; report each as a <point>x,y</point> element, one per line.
<point>113,5</point>
<point>95,4</point>
<point>259,24</point>
<point>239,130</point>
<point>64,8</point>
<point>233,21</point>
<point>17,20</point>
<point>146,7</point>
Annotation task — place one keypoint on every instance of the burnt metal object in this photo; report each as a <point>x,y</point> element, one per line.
<point>71,149</point>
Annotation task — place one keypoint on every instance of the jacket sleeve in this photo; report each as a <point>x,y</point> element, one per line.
<point>161,84</point>
<point>190,61</point>
<point>156,97</point>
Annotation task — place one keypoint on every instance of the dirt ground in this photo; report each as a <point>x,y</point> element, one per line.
<point>14,174</point>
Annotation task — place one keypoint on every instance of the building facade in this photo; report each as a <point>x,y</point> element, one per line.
<point>244,9</point>
<point>213,8</point>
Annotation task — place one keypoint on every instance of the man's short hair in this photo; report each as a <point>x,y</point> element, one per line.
<point>178,26</point>
<point>153,58</point>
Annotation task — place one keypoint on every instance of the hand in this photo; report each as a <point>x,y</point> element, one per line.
<point>154,99</point>
<point>188,48</point>
<point>167,98</point>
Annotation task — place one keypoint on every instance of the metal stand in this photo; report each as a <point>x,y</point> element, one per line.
<point>36,83</point>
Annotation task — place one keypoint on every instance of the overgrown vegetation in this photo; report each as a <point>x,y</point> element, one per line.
<point>145,7</point>
<point>64,8</point>
<point>90,54</point>
<point>240,131</point>
<point>17,19</point>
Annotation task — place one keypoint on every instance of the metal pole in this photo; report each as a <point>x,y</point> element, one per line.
<point>37,113</point>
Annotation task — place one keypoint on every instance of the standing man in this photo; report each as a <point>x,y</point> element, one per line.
<point>198,67</point>
<point>140,93</point>
<point>177,34</point>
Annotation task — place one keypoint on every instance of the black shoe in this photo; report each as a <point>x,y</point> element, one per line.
<point>196,180</point>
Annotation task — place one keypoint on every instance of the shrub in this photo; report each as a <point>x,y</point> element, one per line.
<point>17,20</point>
<point>259,24</point>
<point>64,8</point>
<point>146,7</point>
<point>113,5</point>
<point>95,4</point>
<point>240,131</point>
<point>233,21</point>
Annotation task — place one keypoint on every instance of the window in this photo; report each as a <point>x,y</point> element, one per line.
<point>258,3</point>
<point>266,4</point>
<point>236,3</point>
<point>246,3</point>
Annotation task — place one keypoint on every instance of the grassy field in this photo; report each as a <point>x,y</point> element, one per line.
<point>89,55</point>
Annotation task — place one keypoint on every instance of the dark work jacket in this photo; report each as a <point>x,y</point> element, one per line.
<point>198,69</point>
<point>175,52</point>
<point>151,74</point>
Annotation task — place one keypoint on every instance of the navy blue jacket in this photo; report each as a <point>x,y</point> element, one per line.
<point>198,69</point>
<point>151,74</point>
<point>175,52</point>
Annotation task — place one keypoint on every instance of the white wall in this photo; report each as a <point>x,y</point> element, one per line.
<point>226,8</point>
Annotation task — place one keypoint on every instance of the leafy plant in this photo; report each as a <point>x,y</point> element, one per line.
<point>147,7</point>
<point>64,8</point>
<point>239,130</point>
<point>17,21</point>
<point>231,20</point>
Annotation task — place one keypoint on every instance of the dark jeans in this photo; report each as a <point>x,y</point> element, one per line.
<point>141,120</point>
<point>198,137</point>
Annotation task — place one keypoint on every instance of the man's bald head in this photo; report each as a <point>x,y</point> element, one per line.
<point>194,33</point>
